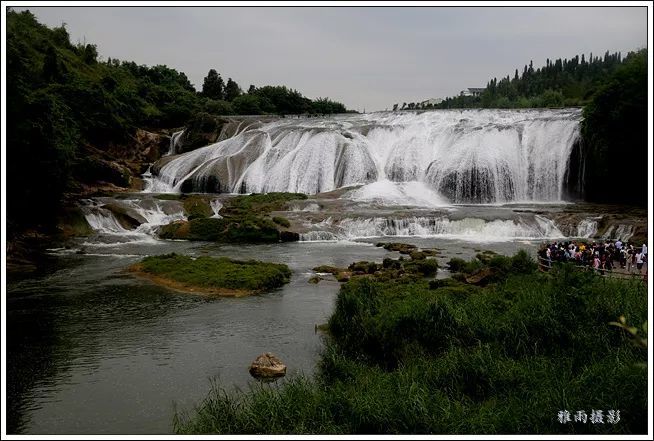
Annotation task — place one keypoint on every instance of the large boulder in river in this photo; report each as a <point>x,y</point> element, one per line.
<point>267,366</point>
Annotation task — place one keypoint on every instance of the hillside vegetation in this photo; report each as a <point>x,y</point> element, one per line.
<point>68,106</point>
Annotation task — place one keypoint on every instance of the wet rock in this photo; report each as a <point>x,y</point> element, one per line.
<point>315,279</point>
<point>267,366</point>
<point>328,269</point>
<point>128,218</point>
<point>403,248</point>
<point>418,255</point>
<point>481,277</point>
<point>289,236</point>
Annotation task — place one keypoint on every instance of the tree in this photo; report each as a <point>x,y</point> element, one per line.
<point>231,90</point>
<point>247,105</point>
<point>252,90</point>
<point>90,54</point>
<point>213,85</point>
<point>51,69</point>
<point>218,107</point>
<point>614,131</point>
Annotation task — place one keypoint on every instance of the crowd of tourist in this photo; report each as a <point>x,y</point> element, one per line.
<point>601,256</point>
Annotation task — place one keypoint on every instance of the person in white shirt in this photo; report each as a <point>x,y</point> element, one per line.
<point>639,261</point>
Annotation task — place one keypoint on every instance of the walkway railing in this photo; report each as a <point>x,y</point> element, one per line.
<point>544,265</point>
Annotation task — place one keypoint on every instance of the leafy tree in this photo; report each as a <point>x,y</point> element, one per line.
<point>218,107</point>
<point>90,54</point>
<point>213,86</point>
<point>247,105</point>
<point>252,90</point>
<point>231,90</point>
<point>325,106</point>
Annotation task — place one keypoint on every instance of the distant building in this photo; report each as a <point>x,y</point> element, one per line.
<point>473,91</point>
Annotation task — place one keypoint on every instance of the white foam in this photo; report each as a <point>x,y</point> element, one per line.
<point>388,193</point>
<point>468,229</point>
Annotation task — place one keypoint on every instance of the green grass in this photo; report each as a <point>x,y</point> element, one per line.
<point>216,273</point>
<point>258,204</point>
<point>197,207</point>
<point>448,357</point>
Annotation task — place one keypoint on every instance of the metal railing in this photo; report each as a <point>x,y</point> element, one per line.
<point>545,265</point>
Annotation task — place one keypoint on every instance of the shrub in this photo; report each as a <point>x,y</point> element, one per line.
<point>279,220</point>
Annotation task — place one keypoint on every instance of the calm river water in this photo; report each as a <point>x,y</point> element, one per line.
<point>92,349</point>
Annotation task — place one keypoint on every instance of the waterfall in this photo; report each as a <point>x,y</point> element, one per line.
<point>216,205</point>
<point>174,139</point>
<point>587,228</point>
<point>473,229</point>
<point>624,232</point>
<point>148,213</point>
<point>447,156</point>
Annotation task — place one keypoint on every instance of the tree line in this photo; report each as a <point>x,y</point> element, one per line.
<point>560,83</point>
<point>228,99</point>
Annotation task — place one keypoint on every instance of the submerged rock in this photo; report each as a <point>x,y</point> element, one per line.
<point>315,279</point>
<point>267,366</point>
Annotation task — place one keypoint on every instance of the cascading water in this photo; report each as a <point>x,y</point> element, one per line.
<point>174,140</point>
<point>149,214</point>
<point>587,228</point>
<point>216,205</point>
<point>474,229</point>
<point>477,156</point>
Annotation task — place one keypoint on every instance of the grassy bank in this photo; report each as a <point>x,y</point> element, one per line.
<point>222,276</point>
<point>446,356</point>
<point>245,219</point>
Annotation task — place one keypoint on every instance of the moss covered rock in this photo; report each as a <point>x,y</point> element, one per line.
<point>197,207</point>
<point>403,248</point>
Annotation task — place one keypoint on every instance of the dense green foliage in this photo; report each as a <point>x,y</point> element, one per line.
<point>615,136</point>
<point>560,83</point>
<point>448,357</point>
<point>215,273</point>
<point>62,97</point>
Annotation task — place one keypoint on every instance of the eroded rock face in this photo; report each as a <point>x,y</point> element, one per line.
<point>267,366</point>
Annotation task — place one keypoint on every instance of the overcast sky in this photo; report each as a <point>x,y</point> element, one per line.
<point>364,57</point>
